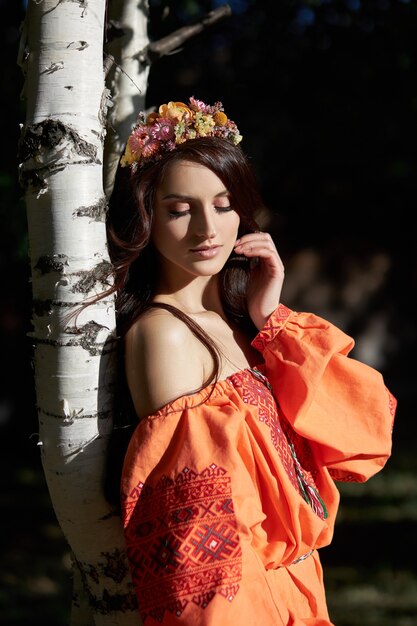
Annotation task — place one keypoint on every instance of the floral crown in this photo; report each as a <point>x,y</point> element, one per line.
<point>174,123</point>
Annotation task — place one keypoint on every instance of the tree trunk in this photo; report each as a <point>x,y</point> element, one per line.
<point>61,167</point>
<point>127,78</point>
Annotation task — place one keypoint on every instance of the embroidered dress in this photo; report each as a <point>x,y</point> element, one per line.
<point>228,494</point>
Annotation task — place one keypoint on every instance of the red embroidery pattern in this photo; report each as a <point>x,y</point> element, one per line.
<point>272,327</point>
<point>256,393</point>
<point>303,451</point>
<point>182,541</point>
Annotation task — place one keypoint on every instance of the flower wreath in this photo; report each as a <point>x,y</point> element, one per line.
<point>174,123</point>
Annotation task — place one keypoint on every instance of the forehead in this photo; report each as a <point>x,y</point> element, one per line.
<point>187,177</point>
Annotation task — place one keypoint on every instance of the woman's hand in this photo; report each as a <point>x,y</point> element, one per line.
<point>265,282</point>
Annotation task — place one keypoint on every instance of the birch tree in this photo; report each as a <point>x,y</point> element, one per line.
<point>61,168</point>
<point>61,154</point>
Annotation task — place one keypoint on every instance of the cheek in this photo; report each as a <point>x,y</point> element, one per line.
<point>167,235</point>
<point>234,226</point>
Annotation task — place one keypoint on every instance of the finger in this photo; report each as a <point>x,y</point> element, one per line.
<point>255,248</point>
<point>255,241</point>
<point>266,256</point>
<point>252,237</point>
<point>266,252</point>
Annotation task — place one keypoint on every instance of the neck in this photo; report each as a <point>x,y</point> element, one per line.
<point>193,296</point>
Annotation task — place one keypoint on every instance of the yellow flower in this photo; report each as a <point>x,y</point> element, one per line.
<point>129,157</point>
<point>203,124</point>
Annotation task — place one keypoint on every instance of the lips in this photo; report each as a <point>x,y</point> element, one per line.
<point>206,252</point>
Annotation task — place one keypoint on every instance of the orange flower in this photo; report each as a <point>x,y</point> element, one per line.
<point>176,111</point>
<point>220,118</point>
<point>152,117</point>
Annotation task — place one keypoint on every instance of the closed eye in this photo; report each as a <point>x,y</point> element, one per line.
<point>176,214</point>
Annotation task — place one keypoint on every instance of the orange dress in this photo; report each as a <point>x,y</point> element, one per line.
<point>227,494</point>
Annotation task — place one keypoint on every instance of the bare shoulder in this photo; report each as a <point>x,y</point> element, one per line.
<point>162,360</point>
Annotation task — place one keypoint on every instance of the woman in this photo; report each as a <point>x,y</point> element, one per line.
<point>245,412</point>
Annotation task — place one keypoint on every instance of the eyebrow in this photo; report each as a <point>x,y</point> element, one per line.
<point>179,196</point>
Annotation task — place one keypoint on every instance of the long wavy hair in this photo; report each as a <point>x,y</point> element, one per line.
<point>135,262</point>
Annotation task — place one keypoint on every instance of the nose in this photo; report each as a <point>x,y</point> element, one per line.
<point>206,225</point>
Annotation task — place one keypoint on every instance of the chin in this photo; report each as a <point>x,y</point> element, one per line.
<point>209,267</point>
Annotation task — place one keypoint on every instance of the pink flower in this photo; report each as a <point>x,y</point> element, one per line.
<point>163,130</point>
<point>139,138</point>
<point>151,148</point>
<point>198,105</point>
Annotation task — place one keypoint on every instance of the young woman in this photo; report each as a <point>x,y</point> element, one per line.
<point>245,412</point>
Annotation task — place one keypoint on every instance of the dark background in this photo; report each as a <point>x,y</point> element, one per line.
<point>325,95</point>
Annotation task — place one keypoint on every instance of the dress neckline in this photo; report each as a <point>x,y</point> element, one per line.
<point>193,400</point>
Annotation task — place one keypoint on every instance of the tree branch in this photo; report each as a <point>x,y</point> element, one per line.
<point>172,42</point>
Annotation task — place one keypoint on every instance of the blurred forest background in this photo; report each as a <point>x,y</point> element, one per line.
<point>325,95</point>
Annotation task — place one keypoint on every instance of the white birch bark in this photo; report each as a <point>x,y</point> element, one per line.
<point>128,78</point>
<point>61,169</point>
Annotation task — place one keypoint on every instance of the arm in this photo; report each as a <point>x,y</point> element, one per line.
<point>341,405</point>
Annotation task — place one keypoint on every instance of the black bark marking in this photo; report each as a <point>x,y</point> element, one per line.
<point>96,212</point>
<point>99,415</point>
<point>87,340</point>
<point>116,566</point>
<point>43,140</point>
<point>44,307</point>
<point>78,45</point>
<point>54,263</point>
<point>109,602</point>
<point>54,67</point>
<point>88,279</point>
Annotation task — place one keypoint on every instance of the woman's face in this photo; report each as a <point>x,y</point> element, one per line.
<point>194,225</point>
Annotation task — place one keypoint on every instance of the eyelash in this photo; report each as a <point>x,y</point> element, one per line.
<point>176,214</point>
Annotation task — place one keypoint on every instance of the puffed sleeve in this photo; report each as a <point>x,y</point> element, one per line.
<point>339,404</point>
<point>190,504</point>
